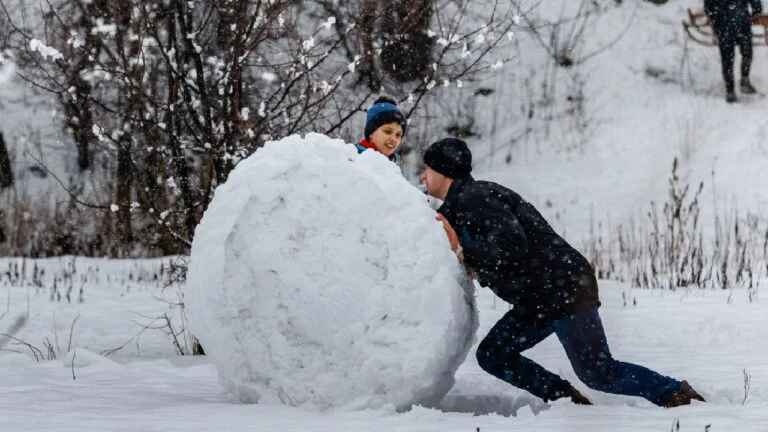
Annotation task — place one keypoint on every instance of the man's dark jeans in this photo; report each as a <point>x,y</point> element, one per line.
<point>583,338</point>
<point>731,33</point>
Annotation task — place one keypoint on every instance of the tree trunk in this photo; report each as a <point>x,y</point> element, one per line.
<point>123,193</point>
<point>152,195</point>
<point>367,24</point>
<point>132,123</point>
<point>6,174</point>
<point>194,60</point>
<point>231,16</point>
<point>407,54</point>
<point>174,122</point>
<point>78,117</point>
<point>3,237</point>
<point>77,102</point>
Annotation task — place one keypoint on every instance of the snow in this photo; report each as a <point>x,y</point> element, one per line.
<point>7,69</point>
<point>45,50</point>
<point>707,337</point>
<point>638,124</point>
<point>320,277</point>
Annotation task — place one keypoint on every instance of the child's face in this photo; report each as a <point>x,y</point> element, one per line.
<point>387,138</point>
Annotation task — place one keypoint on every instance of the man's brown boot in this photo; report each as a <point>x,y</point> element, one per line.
<point>684,396</point>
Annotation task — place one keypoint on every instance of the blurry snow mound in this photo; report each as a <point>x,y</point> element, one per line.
<point>7,70</point>
<point>320,278</point>
<point>80,358</point>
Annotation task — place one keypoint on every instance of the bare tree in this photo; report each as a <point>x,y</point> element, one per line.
<point>170,95</point>
<point>82,51</point>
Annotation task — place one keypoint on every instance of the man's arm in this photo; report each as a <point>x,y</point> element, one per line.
<point>453,238</point>
<point>495,244</point>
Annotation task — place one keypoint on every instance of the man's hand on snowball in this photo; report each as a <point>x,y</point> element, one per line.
<point>453,238</point>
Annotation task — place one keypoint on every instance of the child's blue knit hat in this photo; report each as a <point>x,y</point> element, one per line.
<point>384,110</point>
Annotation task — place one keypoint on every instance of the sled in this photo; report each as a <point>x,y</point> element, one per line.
<point>699,29</point>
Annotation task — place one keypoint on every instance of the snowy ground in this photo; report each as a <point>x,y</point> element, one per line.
<point>640,123</point>
<point>710,338</point>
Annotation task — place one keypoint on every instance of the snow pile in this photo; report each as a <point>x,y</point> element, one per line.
<point>7,69</point>
<point>81,358</point>
<point>320,277</point>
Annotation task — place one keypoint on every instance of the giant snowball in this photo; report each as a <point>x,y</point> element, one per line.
<point>320,277</point>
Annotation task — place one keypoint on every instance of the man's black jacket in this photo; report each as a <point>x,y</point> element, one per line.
<point>516,253</point>
<point>723,12</point>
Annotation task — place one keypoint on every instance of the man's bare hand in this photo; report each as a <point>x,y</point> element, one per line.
<point>453,238</point>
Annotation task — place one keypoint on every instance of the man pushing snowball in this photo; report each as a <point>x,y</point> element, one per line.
<point>506,243</point>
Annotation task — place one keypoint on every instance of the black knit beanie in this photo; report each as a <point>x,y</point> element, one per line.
<point>450,157</point>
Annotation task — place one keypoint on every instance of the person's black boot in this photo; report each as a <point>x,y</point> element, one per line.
<point>747,87</point>
<point>730,96</point>
<point>570,392</point>
<point>578,398</point>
